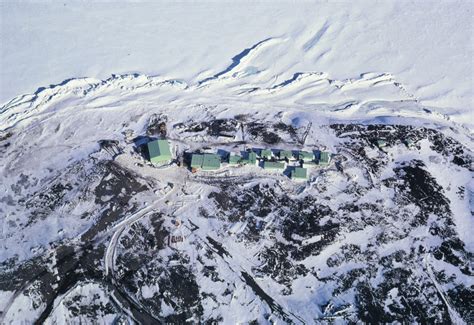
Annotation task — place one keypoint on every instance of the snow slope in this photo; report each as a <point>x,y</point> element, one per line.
<point>426,47</point>
<point>90,207</point>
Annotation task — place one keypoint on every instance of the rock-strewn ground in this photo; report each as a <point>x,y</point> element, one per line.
<point>373,237</point>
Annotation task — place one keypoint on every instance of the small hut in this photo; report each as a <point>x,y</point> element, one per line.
<point>299,173</point>
<point>381,143</point>
<point>272,165</point>
<point>324,157</point>
<point>305,156</point>
<point>285,154</point>
<point>266,154</point>
<point>235,160</point>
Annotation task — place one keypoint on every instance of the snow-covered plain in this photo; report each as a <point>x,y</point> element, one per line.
<point>425,46</point>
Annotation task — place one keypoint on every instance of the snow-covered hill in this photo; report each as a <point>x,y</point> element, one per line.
<point>86,216</point>
<point>91,230</point>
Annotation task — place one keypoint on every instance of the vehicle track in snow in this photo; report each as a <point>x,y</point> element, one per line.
<point>119,228</point>
<point>453,314</point>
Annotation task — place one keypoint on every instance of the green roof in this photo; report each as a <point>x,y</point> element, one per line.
<point>159,151</point>
<point>211,162</point>
<point>285,154</point>
<point>409,142</point>
<point>324,157</point>
<point>381,143</point>
<point>266,153</point>
<point>196,161</point>
<point>273,165</point>
<point>234,160</point>
<point>252,158</point>
<point>299,173</point>
<point>305,155</point>
<point>310,163</point>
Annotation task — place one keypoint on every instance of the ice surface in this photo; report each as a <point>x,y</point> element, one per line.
<point>426,48</point>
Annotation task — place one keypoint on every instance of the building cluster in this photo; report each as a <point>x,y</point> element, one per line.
<point>295,162</point>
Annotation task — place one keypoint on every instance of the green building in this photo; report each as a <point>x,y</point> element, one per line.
<point>381,143</point>
<point>299,173</point>
<point>159,151</point>
<point>196,160</point>
<point>409,143</point>
<point>211,162</point>
<point>285,154</point>
<point>310,163</point>
<point>251,158</point>
<point>305,156</point>
<point>273,165</point>
<point>207,161</point>
<point>235,160</point>
<point>324,157</point>
<point>266,154</point>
